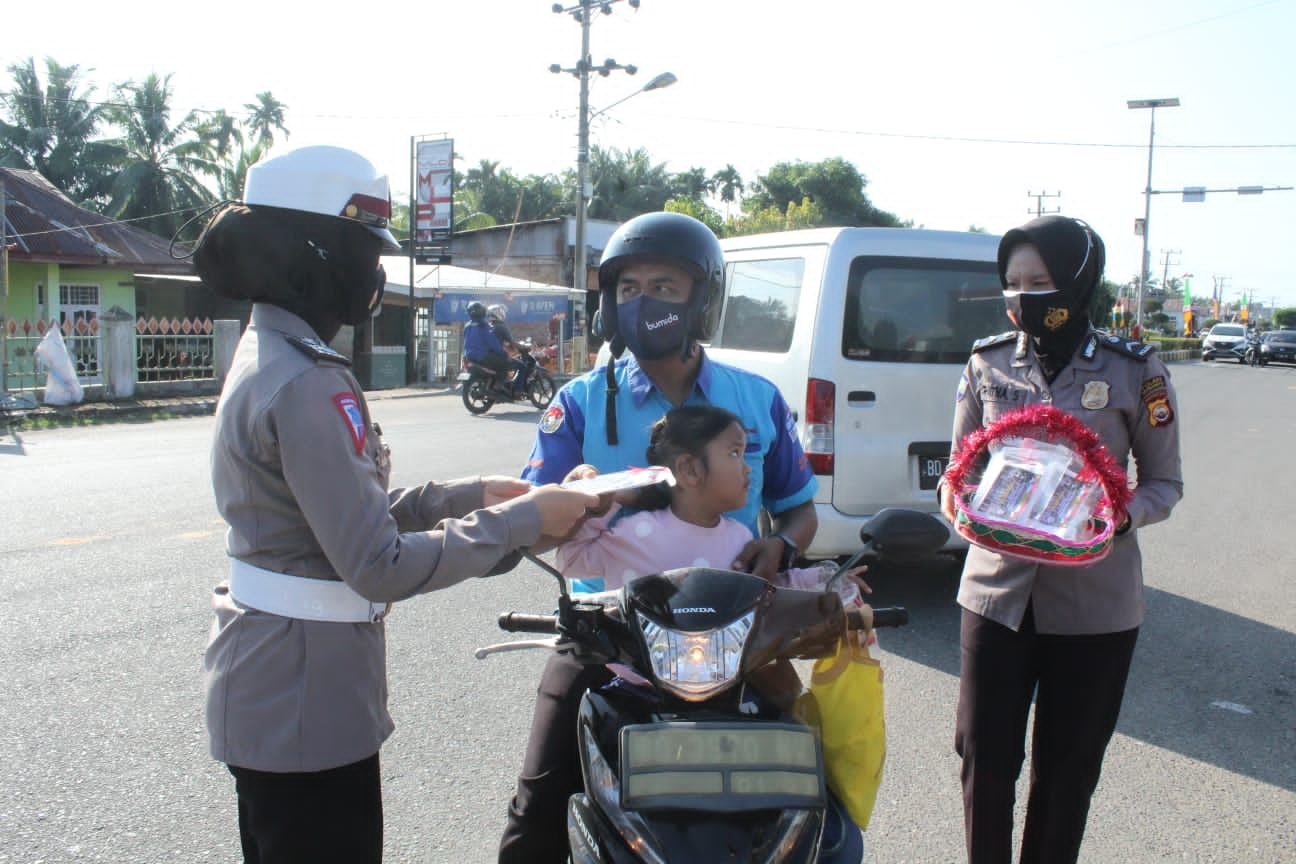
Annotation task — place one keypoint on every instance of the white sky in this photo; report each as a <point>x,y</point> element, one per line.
<point>954,111</point>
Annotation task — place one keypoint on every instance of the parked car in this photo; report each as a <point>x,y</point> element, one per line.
<point>865,332</point>
<point>1278,346</point>
<point>1225,341</point>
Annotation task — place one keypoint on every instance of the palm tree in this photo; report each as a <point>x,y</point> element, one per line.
<point>50,130</point>
<point>728,182</point>
<point>161,163</point>
<point>264,117</point>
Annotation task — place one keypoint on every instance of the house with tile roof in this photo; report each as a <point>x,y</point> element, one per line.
<point>67,267</point>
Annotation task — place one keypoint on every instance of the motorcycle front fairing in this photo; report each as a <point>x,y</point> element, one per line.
<point>727,776</point>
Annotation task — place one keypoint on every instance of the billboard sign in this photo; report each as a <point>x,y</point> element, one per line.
<point>433,197</point>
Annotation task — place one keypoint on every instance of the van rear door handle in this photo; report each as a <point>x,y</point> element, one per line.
<point>861,396</point>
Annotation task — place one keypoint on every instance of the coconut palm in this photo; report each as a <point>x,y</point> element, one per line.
<point>728,183</point>
<point>50,129</point>
<point>161,164</point>
<point>265,116</point>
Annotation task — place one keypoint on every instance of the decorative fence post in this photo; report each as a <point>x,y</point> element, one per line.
<point>225,341</point>
<point>117,327</point>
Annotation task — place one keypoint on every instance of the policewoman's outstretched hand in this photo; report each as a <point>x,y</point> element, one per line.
<point>497,488</point>
<point>560,508</point>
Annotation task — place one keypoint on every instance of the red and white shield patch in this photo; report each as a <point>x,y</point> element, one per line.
<point>349,406</point>
<point>552,419</point>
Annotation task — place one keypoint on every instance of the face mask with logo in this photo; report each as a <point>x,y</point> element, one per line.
<point>1040,315</point>
<point>651,328</point>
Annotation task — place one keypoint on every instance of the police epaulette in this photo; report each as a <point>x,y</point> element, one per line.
<point>317,350</point>
<point>992,341</point>
<point>1128,347</point>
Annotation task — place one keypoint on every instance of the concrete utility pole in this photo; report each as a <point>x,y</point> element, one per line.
<point>1165,266</point>
<point>1039,203</point>
<point>1147,193</point>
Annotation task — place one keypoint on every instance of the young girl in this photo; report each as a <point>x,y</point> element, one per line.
<point>684,525</point>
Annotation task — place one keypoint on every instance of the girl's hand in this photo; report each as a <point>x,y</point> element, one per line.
<point>853,575</point>
<point>947,507</point>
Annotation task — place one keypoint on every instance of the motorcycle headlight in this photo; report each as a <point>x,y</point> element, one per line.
<point>696,665</point>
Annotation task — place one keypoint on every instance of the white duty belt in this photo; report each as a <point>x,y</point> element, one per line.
<point>301,597</point>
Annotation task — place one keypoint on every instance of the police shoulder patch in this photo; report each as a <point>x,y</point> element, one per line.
<point>1128,347</point>
<point>992,341</point>
<point>317,350</point>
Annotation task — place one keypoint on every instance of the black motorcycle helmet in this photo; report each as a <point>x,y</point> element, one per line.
<point>679,239</point>
<point>476,311</point>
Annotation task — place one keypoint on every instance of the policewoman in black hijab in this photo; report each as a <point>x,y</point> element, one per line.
<point>319,546</point>
<point>1061,635</point>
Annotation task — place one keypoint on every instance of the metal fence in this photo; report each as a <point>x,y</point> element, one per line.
<point>173,349</point>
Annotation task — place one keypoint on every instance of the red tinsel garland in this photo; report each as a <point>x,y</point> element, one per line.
<point>1047,423</point>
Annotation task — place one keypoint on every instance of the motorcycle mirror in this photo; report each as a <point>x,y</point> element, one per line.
<point>548,568</point>
<point>904,534</point>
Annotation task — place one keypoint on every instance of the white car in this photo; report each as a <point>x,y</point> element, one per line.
<point>1225,341</point>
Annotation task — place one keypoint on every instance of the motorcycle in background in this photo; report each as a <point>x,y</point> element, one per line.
<point>480,391</point>
<point>682,758</point>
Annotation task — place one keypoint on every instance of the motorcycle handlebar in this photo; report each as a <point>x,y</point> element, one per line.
<point>520,622</point>
<point>868,619</point>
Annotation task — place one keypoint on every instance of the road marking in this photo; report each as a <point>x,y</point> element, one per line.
<point>193,535</point>
<point>1231,706</point>
<point>74,541</point>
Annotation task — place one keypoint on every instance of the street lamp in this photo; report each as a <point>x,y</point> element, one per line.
<point>581,11</point>
<point>1153,104</point>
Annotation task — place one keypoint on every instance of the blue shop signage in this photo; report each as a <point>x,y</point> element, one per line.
<point>452,307</point>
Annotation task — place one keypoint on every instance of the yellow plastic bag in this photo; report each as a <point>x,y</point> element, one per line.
<point>844,703</point>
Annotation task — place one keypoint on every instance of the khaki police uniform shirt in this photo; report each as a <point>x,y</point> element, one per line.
<point>1123,393</point>
<point>300,475</point>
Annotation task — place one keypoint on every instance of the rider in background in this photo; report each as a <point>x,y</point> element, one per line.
<point>495,315</point>
<point>483,347</point>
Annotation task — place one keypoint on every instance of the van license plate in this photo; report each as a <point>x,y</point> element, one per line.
<point>930,469</point>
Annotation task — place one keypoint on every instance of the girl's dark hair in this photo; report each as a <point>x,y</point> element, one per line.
<point>684,431</point>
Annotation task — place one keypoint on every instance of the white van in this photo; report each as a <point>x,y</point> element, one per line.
<point>865,331</point>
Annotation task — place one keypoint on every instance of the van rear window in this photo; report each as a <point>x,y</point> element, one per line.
<point>913,310</point>
<point>760,311</point>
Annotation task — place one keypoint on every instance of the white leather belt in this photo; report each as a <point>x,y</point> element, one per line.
<point>300,597</point>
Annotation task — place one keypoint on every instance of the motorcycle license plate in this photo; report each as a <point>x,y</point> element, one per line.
<point>463,376</point>
<point>725,767</point>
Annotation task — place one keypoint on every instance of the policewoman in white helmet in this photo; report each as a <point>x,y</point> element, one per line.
<point>295,669</point>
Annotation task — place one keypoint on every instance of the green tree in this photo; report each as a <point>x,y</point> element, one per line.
<point>52,129</point>
<point>1101,303</point>
<point>626,183</point>
<point>727,183</point>
<point>693,183</point>
<point>162,164</point>
<point>698,209</point>
<point>834,185</point>
<point>1285,317</point>
<point>803,214</point>
<point>264,117</point>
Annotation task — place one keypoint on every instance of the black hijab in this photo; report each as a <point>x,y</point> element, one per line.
<point>1074,255</point>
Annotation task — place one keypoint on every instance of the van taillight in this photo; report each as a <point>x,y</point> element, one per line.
<point>821,399</point>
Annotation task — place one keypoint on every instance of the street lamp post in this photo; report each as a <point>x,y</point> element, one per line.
<point>581,11</point>
<point>1153,104</point>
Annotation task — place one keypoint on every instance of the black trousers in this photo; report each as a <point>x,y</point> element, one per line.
<point>319,817</point>
<point>536,832</point>
<point>1078,683</point>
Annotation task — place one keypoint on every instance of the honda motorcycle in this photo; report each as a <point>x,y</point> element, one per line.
<point>480,390</point>
<point>683,758</point>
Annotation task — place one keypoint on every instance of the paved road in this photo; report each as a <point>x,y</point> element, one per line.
<point>111,544</point>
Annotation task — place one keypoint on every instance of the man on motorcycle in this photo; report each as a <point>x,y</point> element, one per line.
<point>483,347</point>
<point>661,282</point>
<point>495,315</point>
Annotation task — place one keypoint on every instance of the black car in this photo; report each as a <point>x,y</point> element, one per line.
<point>1278,346</point>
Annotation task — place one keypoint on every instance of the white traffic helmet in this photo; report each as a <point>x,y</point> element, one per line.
<point>497,310</point>
<point>331,181</point>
